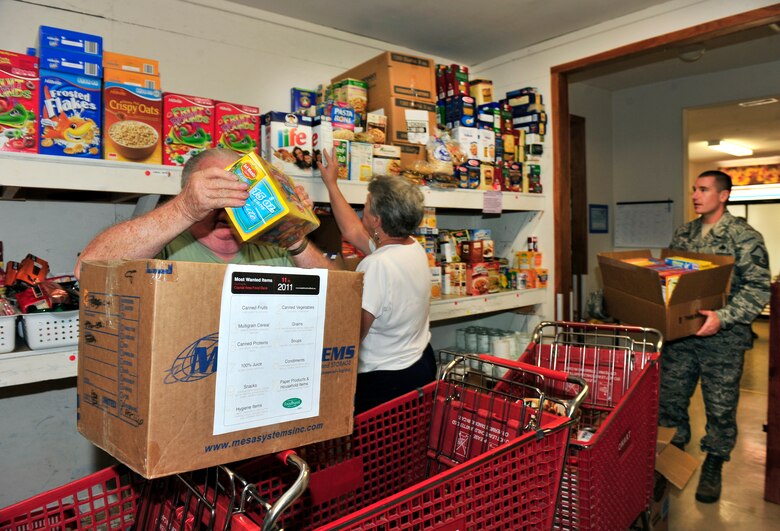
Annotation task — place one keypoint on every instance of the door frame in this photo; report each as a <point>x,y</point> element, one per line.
<point>560,118</point>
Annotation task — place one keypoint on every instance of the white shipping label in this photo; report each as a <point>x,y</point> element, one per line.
<point>269,362</point>
<point>417,126</point>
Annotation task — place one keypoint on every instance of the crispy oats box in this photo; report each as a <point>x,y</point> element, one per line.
<point>188,127</point>
<point>132,118</point>
<point>237,127</point>
<point>19,94</point>
<point>273,212</point>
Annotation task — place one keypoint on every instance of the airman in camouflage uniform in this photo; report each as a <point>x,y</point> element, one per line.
<point>716,353</point>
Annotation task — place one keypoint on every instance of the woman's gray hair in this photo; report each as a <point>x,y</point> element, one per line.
<point>196,163</point>
<point>398,202</point>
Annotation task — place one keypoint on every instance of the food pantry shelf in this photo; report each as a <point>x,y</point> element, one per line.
<point>29,366</point>
<point>19,170</point>
<point>453,307</point>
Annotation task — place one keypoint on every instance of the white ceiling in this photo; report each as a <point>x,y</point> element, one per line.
<point>465,31</point>
<point>470,32</point>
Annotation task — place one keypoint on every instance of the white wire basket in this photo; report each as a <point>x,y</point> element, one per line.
<point>51,329</point>
<point>7,333</point>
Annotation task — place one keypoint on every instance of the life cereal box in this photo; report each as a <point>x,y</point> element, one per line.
<point>287,142</point>
<point>132,122</point>
<point>237,127</point>
<point>188,127</point>
<point>70,115</point>
<point>19,94</point>
<point>273,212</point>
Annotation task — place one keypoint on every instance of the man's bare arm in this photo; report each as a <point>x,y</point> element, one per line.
<point>145,236</point>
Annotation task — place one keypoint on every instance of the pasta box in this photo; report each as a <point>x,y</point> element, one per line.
<point>273,212</point>
<point>633,295</point>
<point>237,127</point>
<point>149,362</point>
<point>188,127</point>
<point>132,121</point>
<point>19,100</point>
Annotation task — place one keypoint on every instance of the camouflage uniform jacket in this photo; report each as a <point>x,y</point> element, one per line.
<point>750,285</point>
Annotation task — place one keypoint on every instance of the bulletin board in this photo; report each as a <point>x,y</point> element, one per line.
<point>644,224</point>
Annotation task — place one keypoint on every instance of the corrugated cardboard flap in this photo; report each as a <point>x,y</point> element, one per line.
<point>636,281</point>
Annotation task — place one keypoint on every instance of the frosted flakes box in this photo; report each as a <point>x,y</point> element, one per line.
<point>70,115</point>
<point>132,121</point>
<point>63,60</point>
<point>19,95</point>
<point>273,212</point>
<point>188,127</point>
<point>287,142</point>
<point>237,127</point>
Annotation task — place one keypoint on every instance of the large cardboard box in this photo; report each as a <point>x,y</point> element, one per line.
<point>392,74</point>
<point>147,367</point>
<point>632,294</point>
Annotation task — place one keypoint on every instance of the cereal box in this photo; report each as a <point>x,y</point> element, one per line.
<point>273,212</point>
<point>63,60</point>
<point>131,63</point>
<point>321,138</point>
<point>132,119</point>
<point>73,41</point>
<point>237,127</point>
<point>361,161</point>
<point>188,127</point>
<point>287,142</point>
<point>125,77</point>
<point>19,95</point>
<point>303,101</point>
<point>354,92</point>
<point>70,115</point>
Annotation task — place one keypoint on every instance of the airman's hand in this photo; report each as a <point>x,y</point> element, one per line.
<point>711,324</point>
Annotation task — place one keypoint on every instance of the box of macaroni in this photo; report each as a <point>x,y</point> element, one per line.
<point>273,212</point>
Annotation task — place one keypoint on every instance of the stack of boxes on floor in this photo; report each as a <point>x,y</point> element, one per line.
<point>75,99</point>
<point>503,140</point>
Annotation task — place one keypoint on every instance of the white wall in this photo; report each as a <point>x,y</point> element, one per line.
<point>214,49</point>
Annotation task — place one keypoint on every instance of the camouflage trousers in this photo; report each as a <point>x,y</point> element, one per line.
<point>716,360</point>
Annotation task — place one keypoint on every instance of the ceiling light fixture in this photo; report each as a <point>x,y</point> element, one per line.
<point>729,148</point>
<point>756,103</point>
<point>691,53</point>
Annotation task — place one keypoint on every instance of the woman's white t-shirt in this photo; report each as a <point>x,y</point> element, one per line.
<point>396,291</point>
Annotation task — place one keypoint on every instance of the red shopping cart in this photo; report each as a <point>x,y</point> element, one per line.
<point>608,478</point>
<point>457,454</point>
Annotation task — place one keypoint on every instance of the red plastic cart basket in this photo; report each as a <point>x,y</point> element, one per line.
<point>104,500</point>
<point>609,472</point>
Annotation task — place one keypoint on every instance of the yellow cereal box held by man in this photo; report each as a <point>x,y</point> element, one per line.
<point>273,212</point>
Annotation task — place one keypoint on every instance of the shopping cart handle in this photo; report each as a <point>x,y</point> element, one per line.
<point>288,457</point>
<point>543,371</point>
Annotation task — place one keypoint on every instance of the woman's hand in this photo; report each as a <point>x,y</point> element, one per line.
<point>329,174</point>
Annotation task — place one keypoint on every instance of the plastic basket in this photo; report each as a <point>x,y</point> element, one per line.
<point>104,500</point>
<point>51,329</point>
<point>7,333</point>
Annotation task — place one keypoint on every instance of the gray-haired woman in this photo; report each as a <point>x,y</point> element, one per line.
<point>395,354</point>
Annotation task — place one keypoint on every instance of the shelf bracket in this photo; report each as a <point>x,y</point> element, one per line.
<point>145,203</point>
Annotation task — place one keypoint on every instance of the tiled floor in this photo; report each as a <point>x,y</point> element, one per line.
<point>742,504</point>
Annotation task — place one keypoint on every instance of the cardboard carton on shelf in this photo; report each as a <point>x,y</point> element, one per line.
<point>147,375</point>
<point>632,293</point>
